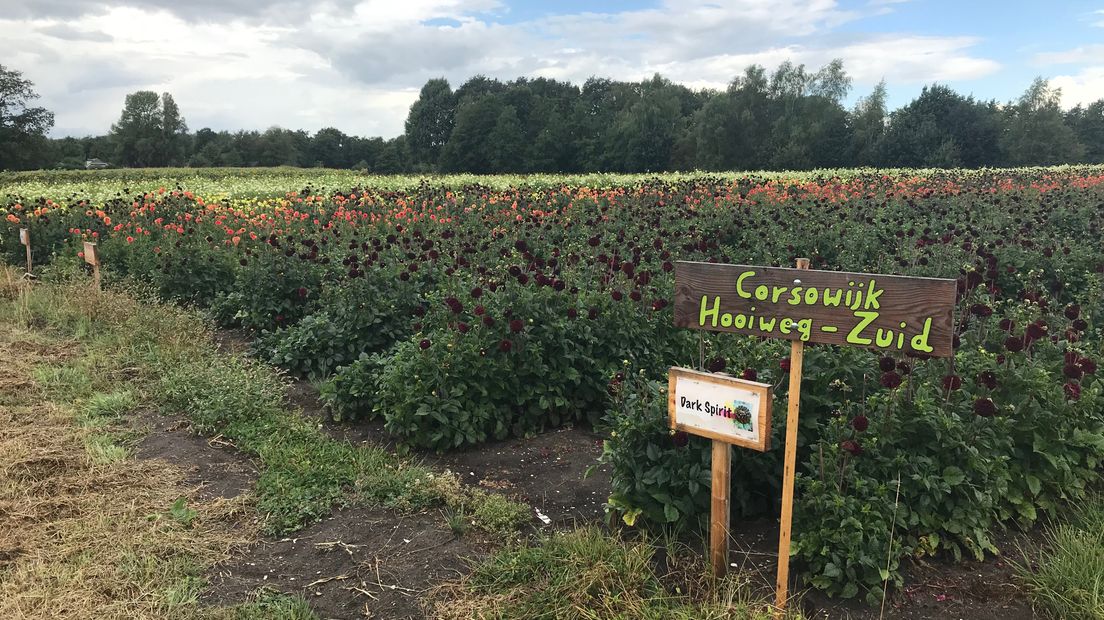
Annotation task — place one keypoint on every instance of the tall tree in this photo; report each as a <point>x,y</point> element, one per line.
<point>22,128</point>
<point>279,147</point>
<point>810,125</point>
<point>1036,132</point>
<point>329,149</point>
<point>732,130</point>
<point>429,123</point>
<point>1088,124</point>
<point>138,135</point>
<point>468,148</point>
<point>599,103</point>
<point>174,132</point>
<point>868,126</point>
<point>506,143</point>
<point>941,128</point>
<point>644,133</point>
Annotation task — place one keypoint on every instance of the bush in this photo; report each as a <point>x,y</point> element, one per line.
<point>358,317</point>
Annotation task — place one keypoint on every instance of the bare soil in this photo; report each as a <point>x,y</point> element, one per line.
<point>214,466</point>
<point>359,563</point>
<point>555,472</point>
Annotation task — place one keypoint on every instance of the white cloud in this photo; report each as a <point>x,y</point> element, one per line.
<point>1086,84</point>
<point>1078,55</point>
<point>1084,87</point>
<point>358,64</point>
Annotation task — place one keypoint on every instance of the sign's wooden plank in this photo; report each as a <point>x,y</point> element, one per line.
<point>90,253</point>
<point>896,313</point>
<point>720,407</point>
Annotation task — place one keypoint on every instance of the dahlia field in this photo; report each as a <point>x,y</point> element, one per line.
<point>460,310</point>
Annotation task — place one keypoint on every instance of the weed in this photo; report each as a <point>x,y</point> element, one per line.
<point>101,408</point>
<point>1066,573</point>
<point>182,513</point>
<point>266,605</point>
<point>103,450</point>
<point>588,573</point>
<point>498,514</point>
<point>459,521</point>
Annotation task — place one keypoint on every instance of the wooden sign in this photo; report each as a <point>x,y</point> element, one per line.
<point>25,239</point>
<point>90,253</point>
<point>93,259</point>
<point>896,313</point>
<point>720,407</point>
<point>728,411</point>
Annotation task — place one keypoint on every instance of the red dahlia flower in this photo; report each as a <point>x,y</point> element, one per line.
<point>985,407</point>
<point>987,379</point>
<point>851,446</point>
<point>890,380</point>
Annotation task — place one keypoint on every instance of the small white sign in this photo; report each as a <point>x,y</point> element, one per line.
<point>23,236</point>
<point>720,407</point>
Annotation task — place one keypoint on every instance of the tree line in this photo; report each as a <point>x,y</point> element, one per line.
<point>792,118</point>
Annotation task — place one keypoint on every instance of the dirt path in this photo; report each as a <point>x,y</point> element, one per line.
<point>357,563</point>
<point>556,472</point>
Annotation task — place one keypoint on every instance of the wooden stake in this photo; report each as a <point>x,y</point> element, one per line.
<point>719,513</point>
<point>25,239</point>
<point>797,356</point>
<point>92,258</point>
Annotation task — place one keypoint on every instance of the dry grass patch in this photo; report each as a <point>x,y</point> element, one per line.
<point>82,536</point>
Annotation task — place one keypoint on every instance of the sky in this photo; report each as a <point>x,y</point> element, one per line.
<point>358,64</point>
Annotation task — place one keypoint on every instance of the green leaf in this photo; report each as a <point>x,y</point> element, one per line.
<point>1034,484</point>
<point>670,513</point>
<point>953,475</point>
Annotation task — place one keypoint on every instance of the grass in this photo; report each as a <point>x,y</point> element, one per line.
<point>167,359</point>
<point>104,408</point>
<point>591,574</point>
<point>87,531</point>
<point>1065,575</point>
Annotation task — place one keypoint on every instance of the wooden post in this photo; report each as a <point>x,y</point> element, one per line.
<point>719,512</point>
<point>793,402</point>
<point>25,239</point>
<point>92,258</point>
